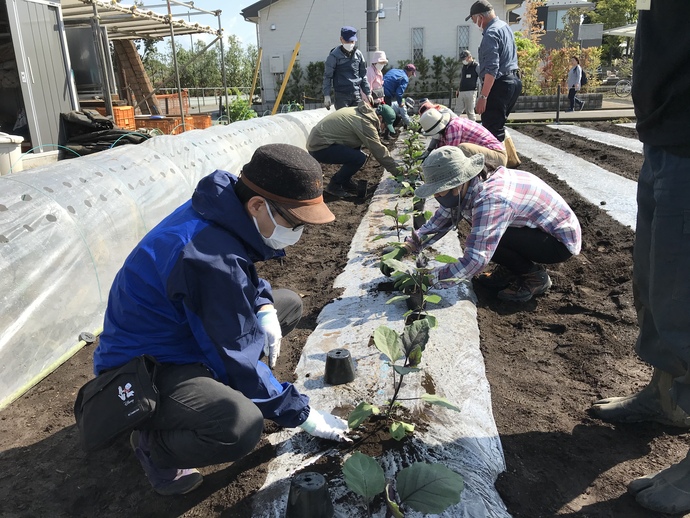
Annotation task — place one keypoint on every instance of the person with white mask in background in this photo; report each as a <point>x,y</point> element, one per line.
<point>189,296</point>
<point>375,74</point>
<point>345,73</point>
<point>469,79</point>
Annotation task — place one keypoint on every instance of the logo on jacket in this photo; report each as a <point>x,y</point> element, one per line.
<point>126,393</point>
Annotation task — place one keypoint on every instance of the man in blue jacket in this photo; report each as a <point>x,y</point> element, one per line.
<point>189,295</point>
<point>345,73</point>
<point>395,83</point>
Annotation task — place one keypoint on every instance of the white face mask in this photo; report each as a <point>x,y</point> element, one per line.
<point>465,62</point>
<point>380,66</point>
<point>281,236</point>
<point>348,46</point>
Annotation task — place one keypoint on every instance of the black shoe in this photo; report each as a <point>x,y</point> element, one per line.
<point>350,186</point>
<point>569,110</point>
<point>336,189</point>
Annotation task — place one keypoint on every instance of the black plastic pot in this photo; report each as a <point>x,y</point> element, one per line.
<point>362,186</point>
<point>418,219</point>
<point>415,302</point>
<point>309,497</point>
<point>339,367</point>
<point>414,316</point>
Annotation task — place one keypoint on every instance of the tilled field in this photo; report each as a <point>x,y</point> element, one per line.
<point>546,361</point>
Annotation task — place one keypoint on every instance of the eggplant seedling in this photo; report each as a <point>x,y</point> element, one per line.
<point>400,218</point>
<point>424,487</point>
<point>408,347</point>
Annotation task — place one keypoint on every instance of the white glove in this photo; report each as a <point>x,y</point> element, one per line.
<point>327,102</point>
<point>394,105</point>
<point>325,425</point>
<point>268,321</point>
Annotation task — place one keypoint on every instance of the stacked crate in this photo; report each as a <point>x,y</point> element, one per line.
<point>123,117</point>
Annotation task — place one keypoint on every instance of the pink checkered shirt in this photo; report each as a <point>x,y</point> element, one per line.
<point>461,131</point>
<point>508,198</point>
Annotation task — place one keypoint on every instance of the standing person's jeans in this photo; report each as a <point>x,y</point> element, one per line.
<point>201,421</point>
<point>466,101</point>
<point>573,99</point>
<point>661,267</point>
<point>351,159</point>
<point>502,98</point>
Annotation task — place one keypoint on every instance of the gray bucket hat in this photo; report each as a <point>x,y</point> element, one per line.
<point>446,168</point>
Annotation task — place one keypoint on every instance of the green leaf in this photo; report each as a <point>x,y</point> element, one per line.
<point>364,476</point>
<point>399,430</point>
<point>397,266</point>
<point>404,370</point>
<point>446,259</point>
<point>403,218</point>
<point>415,356</point>
<point>390,212</point>
<point>380,236</point>
<point>397,298</point>
<point>416,334</point>
<point>388,342</point>
<point>432,299</point>
<point>395,510</point>
<point>433,399</point>
<point>429,488</point>
<point>361,413</point>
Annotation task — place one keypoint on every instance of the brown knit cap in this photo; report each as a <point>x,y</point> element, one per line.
<point>290,177</point>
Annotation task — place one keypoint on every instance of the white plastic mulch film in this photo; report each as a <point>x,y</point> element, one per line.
<point>65,230</point>
<point>467,442</point>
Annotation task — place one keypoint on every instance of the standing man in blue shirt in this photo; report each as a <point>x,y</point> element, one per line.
<point>345,73</point>
<point>498,69</point>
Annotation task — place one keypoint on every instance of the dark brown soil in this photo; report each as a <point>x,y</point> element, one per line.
<point>546,361</point>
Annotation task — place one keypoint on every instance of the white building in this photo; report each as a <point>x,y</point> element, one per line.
<point>406,30</point>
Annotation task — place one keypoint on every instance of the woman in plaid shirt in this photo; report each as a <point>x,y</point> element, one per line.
<point>468,135</point>
<point>517,221</point>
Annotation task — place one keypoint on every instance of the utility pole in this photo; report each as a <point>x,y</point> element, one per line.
<point>372,27</point>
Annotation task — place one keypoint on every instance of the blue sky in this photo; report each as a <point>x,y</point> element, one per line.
<point>231,20</point>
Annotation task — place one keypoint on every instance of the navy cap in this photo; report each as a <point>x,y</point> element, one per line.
<point>349,34</point>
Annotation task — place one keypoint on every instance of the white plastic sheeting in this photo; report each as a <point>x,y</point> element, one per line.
<point>611,192</point>
<point>629,144</point>
<point>453,367</point>
<point>65,230</point>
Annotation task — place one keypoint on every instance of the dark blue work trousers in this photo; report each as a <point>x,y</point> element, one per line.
<point>351,159</point>
<point>502,98</point>
<point>201,421</point>
<point>661,267</point>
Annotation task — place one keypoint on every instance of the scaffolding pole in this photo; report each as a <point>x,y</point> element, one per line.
<point>177,71</point>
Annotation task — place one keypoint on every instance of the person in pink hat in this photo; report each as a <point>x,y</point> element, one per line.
<point>375,73</point>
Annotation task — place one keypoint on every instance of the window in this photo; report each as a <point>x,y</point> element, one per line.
<point>554,20</point>
<point>463,38</point>
<point>417,43</point>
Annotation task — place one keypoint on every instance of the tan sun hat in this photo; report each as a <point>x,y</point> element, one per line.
<point>446,168</point>
<point>433,121</point>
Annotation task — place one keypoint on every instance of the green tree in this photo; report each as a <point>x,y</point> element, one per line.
<point>451,69</point>
<point>203,72</point>
<point>614,13</point>
<point>239,63</point>
<point>529,58</point>
<point>314,85</point>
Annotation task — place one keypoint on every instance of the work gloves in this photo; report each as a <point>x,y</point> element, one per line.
<point>398,253</point>
<point>327,102</point>
<point>326,426</point>
<point>441,278</point>
<point>268,321</point>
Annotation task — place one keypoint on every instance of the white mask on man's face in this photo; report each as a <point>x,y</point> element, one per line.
<point>465,62</point>
<point>380,66</point>
<point>348,46</point>
<point>281,236</point>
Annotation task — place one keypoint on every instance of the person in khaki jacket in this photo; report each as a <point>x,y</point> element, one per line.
<point>339,137</point>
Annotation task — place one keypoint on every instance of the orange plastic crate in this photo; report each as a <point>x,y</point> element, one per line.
<point>123,117</point>
<point>168,125</point>
<point>201,121</point>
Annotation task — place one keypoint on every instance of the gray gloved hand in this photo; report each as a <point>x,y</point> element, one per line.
<point>325,425</point>
<point>424,155</point>
<point>327,102</point>
<point>396,254</point>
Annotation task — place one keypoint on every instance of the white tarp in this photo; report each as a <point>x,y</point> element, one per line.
<point>453,367</point>
<point>65,230</point>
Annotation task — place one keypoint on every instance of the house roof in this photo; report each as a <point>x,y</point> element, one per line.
<point>129,22</point>
<point>626,30</point>
<point>251,13</point>
<point>552,4</point>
